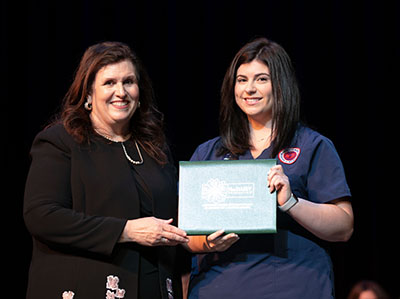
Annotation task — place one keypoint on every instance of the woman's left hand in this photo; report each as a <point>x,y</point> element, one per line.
<point>279,182</point>
<point>331,221</point>
<point>219,242</point>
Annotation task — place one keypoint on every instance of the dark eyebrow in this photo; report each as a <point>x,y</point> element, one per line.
<point>262,74</point>
<point>133,76</point>
<point>256,75</point>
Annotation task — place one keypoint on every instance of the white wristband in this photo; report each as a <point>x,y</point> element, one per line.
<point>290,203</point>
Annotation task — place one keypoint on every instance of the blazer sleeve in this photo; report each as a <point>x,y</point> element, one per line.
<point>48,204</point>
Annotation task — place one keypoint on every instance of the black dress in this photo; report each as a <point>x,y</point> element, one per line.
<point>149,286</point>
<point>77,201</point>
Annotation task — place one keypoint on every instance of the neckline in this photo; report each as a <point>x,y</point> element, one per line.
<point>111,139</point>
<point>265,154</point>
<point>115,142</point>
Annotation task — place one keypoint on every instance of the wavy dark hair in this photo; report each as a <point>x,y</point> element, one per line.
<point>146,124</point>
<point>234,125</point>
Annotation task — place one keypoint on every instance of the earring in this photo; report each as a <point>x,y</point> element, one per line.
<point>88,105</point>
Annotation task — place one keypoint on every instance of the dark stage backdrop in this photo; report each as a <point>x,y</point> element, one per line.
<point>345,54</point>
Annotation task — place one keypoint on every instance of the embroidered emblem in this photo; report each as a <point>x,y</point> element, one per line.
<point>216,191</point>
<point>112,282</point>
<point>68,295</point>
<point>213,191</point>
<point>170,291</point>
<point>289,155</point>
<point>112,285</point>
<point>120,293</point>
<point>110,295</point>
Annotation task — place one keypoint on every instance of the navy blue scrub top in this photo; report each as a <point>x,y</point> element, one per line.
<point>292,263</point>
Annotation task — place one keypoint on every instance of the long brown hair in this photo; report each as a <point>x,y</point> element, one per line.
<point>234,125</point>
<point>146,125</point>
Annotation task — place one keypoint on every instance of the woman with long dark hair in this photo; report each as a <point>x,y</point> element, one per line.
<point>101,198</point>
<point>259,119</point>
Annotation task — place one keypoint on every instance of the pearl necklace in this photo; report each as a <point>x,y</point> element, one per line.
<point>124,149</point>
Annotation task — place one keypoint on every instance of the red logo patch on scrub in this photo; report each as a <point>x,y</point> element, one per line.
<point>289,155</point>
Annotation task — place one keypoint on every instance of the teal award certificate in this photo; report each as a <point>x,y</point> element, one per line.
<point>230,195</point>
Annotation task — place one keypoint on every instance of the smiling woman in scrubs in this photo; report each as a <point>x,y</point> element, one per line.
<point>259,119</point>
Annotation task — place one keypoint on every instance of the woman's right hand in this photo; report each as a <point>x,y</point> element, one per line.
<point>151,231</point>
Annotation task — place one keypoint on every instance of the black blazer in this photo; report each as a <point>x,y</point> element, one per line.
<point>77,201</point>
